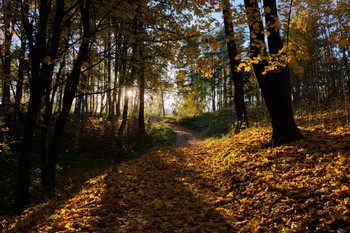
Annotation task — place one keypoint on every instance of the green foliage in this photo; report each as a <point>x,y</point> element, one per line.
<point>170,119</point>
<point>196,122</point>
<point>222,122</point>
<point>162,135</point>
<point>194,94</point>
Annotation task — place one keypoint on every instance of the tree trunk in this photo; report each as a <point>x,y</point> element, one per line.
<point>69,93</point>
<point>19,92</point>
<point>6,102</point>
<point>241,112</point>
<point>49,100</point>
<point>121,79</point>
<point>142,103</point>
<point>162,96</point>
<point>213,92</point>
<point>224,79</point>
<point>275,85</point>
<point>41,73</point>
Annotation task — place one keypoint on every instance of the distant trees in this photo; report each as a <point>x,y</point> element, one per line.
<point>319,51</point>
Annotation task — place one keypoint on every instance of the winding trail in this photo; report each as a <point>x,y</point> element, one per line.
<point>173,189</point>
<point>189,138</point>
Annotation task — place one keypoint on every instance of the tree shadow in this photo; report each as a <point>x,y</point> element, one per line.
<point>73,172</point>
<point>161,192</point>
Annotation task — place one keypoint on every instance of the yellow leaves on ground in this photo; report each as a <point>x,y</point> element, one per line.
<point>299,187</point>
<point>234,184</point>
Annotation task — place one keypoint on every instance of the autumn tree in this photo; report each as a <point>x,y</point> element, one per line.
<point>241,112</point>
<point>274,83</point>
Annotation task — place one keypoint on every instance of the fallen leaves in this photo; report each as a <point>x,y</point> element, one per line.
<point>302,186</point>
<point>234,184</point>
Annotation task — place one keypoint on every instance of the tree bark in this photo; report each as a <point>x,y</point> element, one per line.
<point>19,92</point>
<point>49,100</point>
<point>241,112</point>
<point>213,86</point>
<point>275,85</point>
<point>41,73</point>
<point>69,93</point>
<point>224,79</point>
<point>142,103</point>
<point>6,102</point>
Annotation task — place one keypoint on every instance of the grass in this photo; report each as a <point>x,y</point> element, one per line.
<point>195,122</point>
<point>170,119</point>
<point>161,135</point>
<point>222,123</point>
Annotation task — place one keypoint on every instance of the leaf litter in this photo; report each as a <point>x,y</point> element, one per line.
<point>231,184</point>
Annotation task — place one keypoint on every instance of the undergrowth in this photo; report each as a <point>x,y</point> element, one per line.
<point>96,152</point>
<point>161,135</point>
<point>222,122</point>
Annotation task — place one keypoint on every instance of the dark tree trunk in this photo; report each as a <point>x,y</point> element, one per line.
<point>142,103</point>
<point>109,81</point>
<point>125,113</point>
<point>241,112</point>
<point>69,93</point>
<point>6,102</point>
<point>19,92</point>
<point>275,85</point>
<point>40,75</point>
<point>224,79</point>
<point>46,126</point>
<point>213,86</point>
<point>122,68</point>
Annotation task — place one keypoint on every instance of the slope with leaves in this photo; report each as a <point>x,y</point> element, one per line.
<point>303,186</point>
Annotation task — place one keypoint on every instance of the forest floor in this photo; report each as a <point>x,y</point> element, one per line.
<point>231,184</point>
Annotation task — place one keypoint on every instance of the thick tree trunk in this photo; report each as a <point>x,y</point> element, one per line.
<point>241,112</point>
<point>41,73</point>
<point>49,100</point>
<point>121,81</point>
<point>125,113</point>
<point>275,85</point>
<point>69,94</point>
<point>24,162</point>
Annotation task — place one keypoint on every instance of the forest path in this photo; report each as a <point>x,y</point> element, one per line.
<point>189,138</point>
<point>172,189</point>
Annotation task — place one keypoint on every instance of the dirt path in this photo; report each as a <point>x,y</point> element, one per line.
<point>189,138</point>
